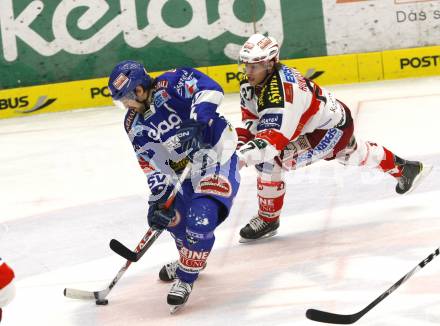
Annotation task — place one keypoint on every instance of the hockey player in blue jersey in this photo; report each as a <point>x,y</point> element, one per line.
<point>173,120</point>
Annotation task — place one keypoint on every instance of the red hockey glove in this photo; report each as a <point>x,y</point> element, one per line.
<point>244,135</point>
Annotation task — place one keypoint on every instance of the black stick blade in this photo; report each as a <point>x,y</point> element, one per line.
<point>330,318</point>
<point>123,251</point>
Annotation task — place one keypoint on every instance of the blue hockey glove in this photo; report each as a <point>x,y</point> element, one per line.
<point>191,137</point>
<point>158,216</point>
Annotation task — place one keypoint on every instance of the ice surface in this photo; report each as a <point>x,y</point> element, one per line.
<point>69,182</point>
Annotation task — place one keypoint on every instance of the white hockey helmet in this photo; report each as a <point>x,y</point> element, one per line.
<point>259,48</point>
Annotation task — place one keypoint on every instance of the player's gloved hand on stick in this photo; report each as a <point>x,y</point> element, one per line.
<point>158,216</point>
<point>244,135</point>
<point>191,137</point>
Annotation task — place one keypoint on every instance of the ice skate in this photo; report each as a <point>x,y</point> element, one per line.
<point>258,229</point>
<point>412,173</point>
<point>178,295</point>
<point>168,272</point>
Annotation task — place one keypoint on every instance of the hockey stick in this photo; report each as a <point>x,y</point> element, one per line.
<point>151,235</point>
<point>100,296</point>
<point>145,243</point>
<point>331,318</point>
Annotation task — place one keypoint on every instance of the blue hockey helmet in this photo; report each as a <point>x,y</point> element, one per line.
<point>126,76</point>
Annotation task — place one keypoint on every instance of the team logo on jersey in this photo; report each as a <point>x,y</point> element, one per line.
<point>156,131</point>
<point>329,140</point>
<point>323,149</point>
<point>161,97</point>
<point>271,95</point>
<point>288,92</point>
<point>182,88</point>
<point>161,84</point>
<point>190,87</point>
<point>274,94</point>
<point>120,81</point>
<point>215,184</point>
<point>288,74</point>
<point>157,182</point>
<point>270,121</point>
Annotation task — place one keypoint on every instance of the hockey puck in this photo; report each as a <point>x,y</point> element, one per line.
<point>102,302</point>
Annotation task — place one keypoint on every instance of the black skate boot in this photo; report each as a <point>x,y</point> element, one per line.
<point>411,173</point>
<point>168,272</point>
<point>258,229</point>
<point>178,295</point>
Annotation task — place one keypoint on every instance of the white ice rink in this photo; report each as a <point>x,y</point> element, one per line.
<point>69,183</point>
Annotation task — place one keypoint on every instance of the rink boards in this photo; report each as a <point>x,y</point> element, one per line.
<point>329,70</point>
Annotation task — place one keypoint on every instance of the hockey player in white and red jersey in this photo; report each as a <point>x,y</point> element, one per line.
<point>290,122</point>
<point>7,287</point>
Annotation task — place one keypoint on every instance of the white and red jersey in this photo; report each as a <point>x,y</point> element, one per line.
<point>7,289</point>
<point>286,106</point>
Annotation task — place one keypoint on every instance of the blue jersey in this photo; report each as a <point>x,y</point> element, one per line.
<point>178,95</point>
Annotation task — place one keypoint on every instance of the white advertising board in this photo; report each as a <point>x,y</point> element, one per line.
<point>354,26</point>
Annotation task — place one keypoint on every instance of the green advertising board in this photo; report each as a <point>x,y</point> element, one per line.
<point>54,41</point>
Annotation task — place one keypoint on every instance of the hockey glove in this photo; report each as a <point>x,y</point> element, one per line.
<point>158,216</point>
<point>244,135</point>
<point>191,137</point>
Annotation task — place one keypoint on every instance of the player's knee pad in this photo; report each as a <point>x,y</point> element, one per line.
<point>270,198</point>
<point>202,218</point>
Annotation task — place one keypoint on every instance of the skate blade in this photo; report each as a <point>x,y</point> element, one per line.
<point>175,308</point>
<point>268,235</point>
<point>422,175</point>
